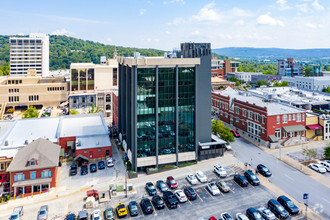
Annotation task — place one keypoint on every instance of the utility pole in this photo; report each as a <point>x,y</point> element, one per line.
<point>126,179</point>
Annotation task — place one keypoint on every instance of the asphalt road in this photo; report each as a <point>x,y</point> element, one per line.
<point>292,181</point>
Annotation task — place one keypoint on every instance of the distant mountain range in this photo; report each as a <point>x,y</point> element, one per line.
<point>252,52</point>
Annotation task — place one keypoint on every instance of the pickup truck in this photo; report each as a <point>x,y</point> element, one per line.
<point>17,213</point>
<point>170,200</point>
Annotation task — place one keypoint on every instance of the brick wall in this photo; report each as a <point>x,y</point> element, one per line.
<point>94,153</point>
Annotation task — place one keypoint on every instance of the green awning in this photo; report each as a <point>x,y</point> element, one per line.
<point>62,152</point>
<point>273,138</point>
<point>80,156</point>
<point>294,128</point>
<point>70,144</point>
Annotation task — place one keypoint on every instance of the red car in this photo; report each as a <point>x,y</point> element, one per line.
<point>235,133</point>
<point>212,218</point>
<point>171,182</point>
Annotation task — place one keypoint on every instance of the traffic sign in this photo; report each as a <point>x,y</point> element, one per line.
<point>305,195</point>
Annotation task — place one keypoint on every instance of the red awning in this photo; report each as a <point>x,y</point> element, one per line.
<point>314,127</point>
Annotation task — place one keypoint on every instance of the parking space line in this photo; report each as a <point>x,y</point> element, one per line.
<point>239,185</point>
<point>187,181</point>
<point>221,193</point>
<point>141,210</point>
<point>199,197</point>
<point>215,175</point>
<point>164,203</point>
<point>208,193</point>
<point>129,214</point>
<point>251,185</point>
<point>179,206</point>
<point>232,191</point>
<point>153,207</point>
<point>189,201</point>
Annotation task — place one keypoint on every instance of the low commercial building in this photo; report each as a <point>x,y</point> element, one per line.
<point>266,77</point>
<point>261,120</point>
<point>34,168</point>
<point>246,76</point>
<point>314,131</point>
<point>324,121</point>
<point>218,83</point>
<point>220,68</point>
<point>315,83</point>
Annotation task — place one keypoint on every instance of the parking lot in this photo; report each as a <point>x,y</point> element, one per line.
<point>237,200</point>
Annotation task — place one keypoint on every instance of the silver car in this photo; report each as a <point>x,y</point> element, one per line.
<point>266,213</point>
<point>43,212</point>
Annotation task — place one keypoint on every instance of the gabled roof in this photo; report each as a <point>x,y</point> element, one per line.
<point>45,152</point>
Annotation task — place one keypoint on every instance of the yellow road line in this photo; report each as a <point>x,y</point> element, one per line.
<point>141,209</point>
<point>215,174</point>
<point>187,181</point>
<point>199,197</point>
<point>208,193</point>
<point>232,191</point>
<point>153,207</point>
<point>164,203</point>
<point>189,201</point>
<point>251,184</point>
<point>179,205</point>
<point>221,193</point>
<point>239,185</point>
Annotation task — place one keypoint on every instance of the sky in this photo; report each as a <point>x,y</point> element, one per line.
<point>164,24</point>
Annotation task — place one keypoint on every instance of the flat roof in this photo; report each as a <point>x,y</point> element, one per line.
<point>92,141</point>
<point>158,61</point>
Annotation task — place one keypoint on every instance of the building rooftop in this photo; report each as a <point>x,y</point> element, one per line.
<point>93,141</point>
<point>158,61</point>
<point>272,108</point>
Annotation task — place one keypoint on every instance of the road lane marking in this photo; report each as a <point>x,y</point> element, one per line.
<point>199,197</point>
<point>208,193</point>
<point>232,190</point>
<point>289,177</point>
<point>153,207</point>
<point>251,184</point>
<point>325,200</point>
<point>179,205</point>
<point>239,185</point>
<point>221,193</point>
<point>141,210</point>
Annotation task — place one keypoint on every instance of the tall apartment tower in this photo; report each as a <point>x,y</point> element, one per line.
<point>29,53</point>
<point>289,67</point>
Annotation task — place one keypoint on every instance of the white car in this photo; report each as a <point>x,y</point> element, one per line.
<point>220,170</point>
<point>317,167</point>
<point>228,146</point>
<point>191,178</point>
<point>213,189</point>
<point>240,216</point>
<point>266,213</point>
<point>180,195</point>
<point>96,215</point>
<point>110,162</point>
<point>201,177</point>
<point>325,164</point>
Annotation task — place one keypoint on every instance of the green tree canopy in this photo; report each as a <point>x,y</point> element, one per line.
<point>92,109</point>
<point>74,112</point>
<point>308,70</point>
<point>327,89</point>
<point>262,83</point>
<point>218,128</point>
<point>280,84</point>
<point>31,112</point>
<point>327,152</point>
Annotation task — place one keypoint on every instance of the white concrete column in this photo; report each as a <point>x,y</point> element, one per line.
<point>32,189</point>
<point>40,188</point>
<point>23,189</point>
<point>48,186</point>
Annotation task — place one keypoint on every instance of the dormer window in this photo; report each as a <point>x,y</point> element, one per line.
<point>32,162</point>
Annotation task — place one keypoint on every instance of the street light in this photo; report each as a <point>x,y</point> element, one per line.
<point>126,179</point>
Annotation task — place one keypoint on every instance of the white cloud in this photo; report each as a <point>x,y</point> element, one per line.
<point>302,7</point>
<point>177,21</point>
<point>314,26</point>
<point>142,11</point>
<point>167,32</point>
<point>256,36</point>
<point>317,5</point>
<point>282,4</point>
<point>238,12</point>
<point>62,31</point>
<point>208,13</point>
<point>240,22</point>
<point>182,2</point>
<point>225,36</point>
<point>196,32</point>
<point>266,19</point>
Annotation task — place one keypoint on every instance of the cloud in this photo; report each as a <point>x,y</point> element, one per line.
<point>238,12</point>
<point>314,26</point>
<point>240,22</point>
<point>266,19</point>
<point>177,21</point>
<point>302,7</point>
<point>256,36</point>
<point>208,13</point>
<point>142,11</point>
<point>108,39</point>
<point>196,32</point>
<point>167,32</point>
<point>181,2</point>
<point>225,36</point>
<point>317,5</point>
<point>282,4</point>
<point>62,31</point>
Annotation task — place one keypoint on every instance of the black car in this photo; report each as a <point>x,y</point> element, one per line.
<point>264,170</point>
<point>253,214</point>
<point>151,189</point>
<point>93,168</point>
<point>240,180</point>
<point>251,177</point>
<point>158,202</point>
<point>161,185</point>
<point>133,208</point>
<point>190,193</point>
<point>278,210</point>
<point>170,200</point>
<point>101,165</point>
<point>84,170</point>
<point>146,206</point>
<point>73,170</point>
<point>288,205</point>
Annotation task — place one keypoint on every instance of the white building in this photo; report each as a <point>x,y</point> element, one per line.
<point>29,53</point>
<point>309,83</point>
<point>246,76</point>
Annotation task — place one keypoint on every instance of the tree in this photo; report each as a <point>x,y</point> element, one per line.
<point>327,89</point>
<point>31,112</point>
<point>327,152</point>
<point>92,109</point>
<point>309,154</point>
<point>262,83</point>
<point>308,70</point>
<point>74,112</point>
<point>232,79</point>
<point>218,128</point>
<point>280,84</point>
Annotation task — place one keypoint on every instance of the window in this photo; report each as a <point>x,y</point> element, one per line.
<point>99,150</point>
<point>108,98</point>
<point>250,115</point>
<point>237,110</point>
<point>2,166</point>
<point>278,133</point>
<point>244,112</point>
<point>92,99</point>
<point>19,177</point>
<point>85,151</point>
<point>303,117</point>
<point>46,173</point>
<point>293,117</point>
<point>83,99</point>
<point>285,135</point>
<point>115,77</point>
<point>13,99</point>
<point>32,175</point>
<point>243,122</point>
<point>33,98</point>
<point>298,117</point>
<point>226,115</point>
<point>278,119</point>
<point>256,117</point>
<point>108,107</point>
<point>254,128</point>
<point>289,117</point>
<point>263,119</point>
<point>237,119</point>
<point>285,119</point>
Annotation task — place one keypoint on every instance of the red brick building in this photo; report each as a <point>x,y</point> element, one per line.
<point>34,168</point>
<point>259,119</point>
<point>115,109</point>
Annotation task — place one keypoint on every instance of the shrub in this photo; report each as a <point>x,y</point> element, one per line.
<point>327,152</point>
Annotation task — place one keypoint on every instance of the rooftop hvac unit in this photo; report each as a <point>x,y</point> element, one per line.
<point>26,142</point>
<point>6,143</point>
<point>78,143</point>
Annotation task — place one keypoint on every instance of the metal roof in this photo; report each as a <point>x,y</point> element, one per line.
<point>293,128</point>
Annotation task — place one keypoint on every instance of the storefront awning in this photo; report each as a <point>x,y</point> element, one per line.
<point>314,127</point>
<point>293,128</point>
<point>80,156</point>
<point>273,138</point>
<point>32,182</point>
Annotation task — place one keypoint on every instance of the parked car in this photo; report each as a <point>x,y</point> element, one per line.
<point>82,215</point>
<point>180,196</point>
<point>266,213</point>
<point>73,170</point>
<point>191,178</point>
<point>93,167</point>
<point>201,177</point>
<point>170,200</point>
<point>253,214</point>
<point>240,180</point>
<point>240,216</point>
<point>226,216</point>
<point>214,190</point>
<point>317,167</point>
<point>121,210</point>
<point>190,193</point>
<point>43,212</point>
<point>101,165</point>
<point>220,170</point>
<point>70,217</point>
<point>171,182</point>
<point>110,162</point>
<point>161,185</point>
<point>158,202</point>
<point>109,214</point>
<point>325,164</point>
<point>228,146</point>
<point>146,206</point>
<point>133,208</point>
<point>17,213</point>
<point>84,170</point>
<point>235,133</point>
<point>288,205</point>
<point>263,170</point>
<point>223,186</point>
<point>96,215</point>
<point>211,218</point>
<point>278,210</point>
<point>151,189</point>
<point>251,177</point>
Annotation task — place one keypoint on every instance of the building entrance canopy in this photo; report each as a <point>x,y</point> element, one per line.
<point>293,128</point>
<point>32,182</point>
<point>314,127</point>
